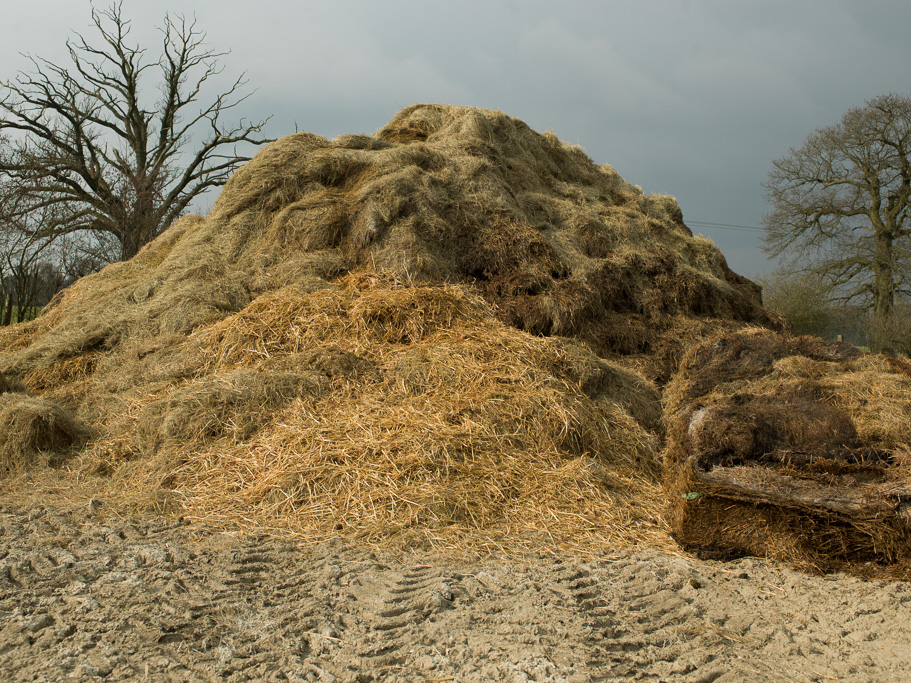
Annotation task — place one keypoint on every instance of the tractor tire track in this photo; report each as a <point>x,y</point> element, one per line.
<point>89,598</point>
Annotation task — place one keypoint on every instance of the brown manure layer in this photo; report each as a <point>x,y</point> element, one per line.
<point>8,385</point>
<point>791,448</point>
<point>452,330</point>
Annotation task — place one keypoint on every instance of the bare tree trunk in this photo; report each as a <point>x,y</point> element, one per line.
<point>884,280</point>
<point>6,310</point>
<point>883,293</point>
<point>27,289</point>
<point>130,244</point>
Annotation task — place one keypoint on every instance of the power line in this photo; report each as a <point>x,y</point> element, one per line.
<point>724,226</point>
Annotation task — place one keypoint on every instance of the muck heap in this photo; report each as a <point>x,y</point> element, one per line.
<point>453,333</point>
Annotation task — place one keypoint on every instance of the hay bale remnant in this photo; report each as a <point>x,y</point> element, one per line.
<point>792,448</point>
<point>34,430</point>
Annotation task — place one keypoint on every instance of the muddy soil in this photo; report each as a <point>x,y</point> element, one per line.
<point>89,596</point>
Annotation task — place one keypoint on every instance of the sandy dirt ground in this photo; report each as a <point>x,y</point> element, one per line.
<point>89,596</point>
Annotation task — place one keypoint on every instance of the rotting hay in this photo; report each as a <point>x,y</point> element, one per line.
<point>791,448</point>
<point>454,329</point>
<point>558,245</point>
<point>33,430</point>
<point>8,385</point>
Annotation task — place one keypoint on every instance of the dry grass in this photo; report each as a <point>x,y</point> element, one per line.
<point>424,419</point>
<point>455,333</point>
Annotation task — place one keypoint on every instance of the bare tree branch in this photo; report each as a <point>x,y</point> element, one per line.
<point>27,270</point>
<point>841,204</point>
<point>89,146</point>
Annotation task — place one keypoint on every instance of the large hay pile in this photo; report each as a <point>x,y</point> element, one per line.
<point>792,448</point>
<point>450,328</point>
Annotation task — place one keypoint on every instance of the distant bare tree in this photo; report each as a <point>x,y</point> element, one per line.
<point>27,270</point>
<point>82,253</point>
<point>86,142</point>
<point>802,299</point>
<point>842,205</point>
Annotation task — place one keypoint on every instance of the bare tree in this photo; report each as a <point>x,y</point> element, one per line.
<point>802,299</point>
<point>841,205</point>
<point>86,141</point>
<point>82,253</point>
<point>27,268</point>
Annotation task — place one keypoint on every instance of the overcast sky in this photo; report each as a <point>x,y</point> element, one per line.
<point>692,98</point>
